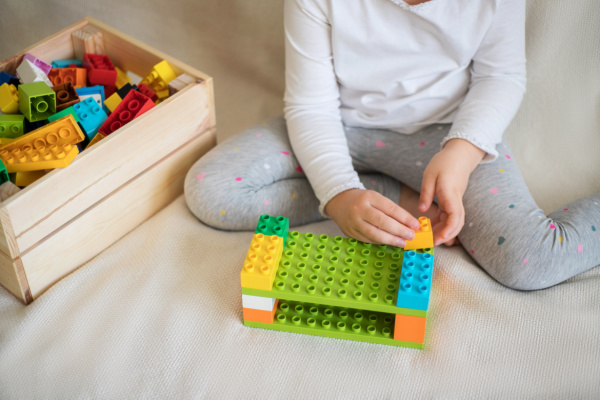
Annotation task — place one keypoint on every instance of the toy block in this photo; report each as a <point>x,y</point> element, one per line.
<point>11,126</point>
<point>415,281</point>
<point>257,302</point>
<point>7,78</point>
<point>23,179</point>
<point>4,141</point>
<point>64,113</point>
<point>100,70</point>
<point>29,73</point>
<point>158,79</point>
<point>32,126</point>
<point>60,132</point>
<point>180,83</point>
<point>66,63</point>
<point>53,156</point>
<point>66,96</point>
<point>87,40</point>
<point>132,106</point>
<point>91,116</point>
<point>410,329</point>
<point>7,189</point>
<point>122,78</point>
<point>76,76</point>
<point>109,90</point>
<point>97,92</point>
<point>95,140</point>
<point>423,237</point>
<point>113,102</point>
<point>268,225</point>
<point>262,261</point>
<point>145,90</point>
<point>9,99</point>
<point>256,315</point>
<point>3,174</point>
<point>334,322</point>
<point>42,65</point>
<point>37,101</point>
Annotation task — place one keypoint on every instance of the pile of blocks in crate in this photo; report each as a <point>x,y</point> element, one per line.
<point>337,287</point>
<point>51,112</point>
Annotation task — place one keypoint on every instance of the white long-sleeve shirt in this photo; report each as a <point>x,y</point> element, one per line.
<point>385,64</point>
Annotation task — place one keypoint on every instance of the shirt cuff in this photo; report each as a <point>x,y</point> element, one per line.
<point>354,184</point>
<point>491,152</point>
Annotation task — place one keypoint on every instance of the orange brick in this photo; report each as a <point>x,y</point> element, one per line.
<point>410,329</point>
<point>250,314</point>
<point>423,237</point>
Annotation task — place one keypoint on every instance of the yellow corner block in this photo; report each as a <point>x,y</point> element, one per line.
<point>53,156</point>
<point>262,261</point>
<point>158,79</point>
<point>9,99</point>
<point>95,140</point>
<point>113,101</point>
<point>27,178</point>
<point>122,78</point>
<point>57,133</point>
<point>423,237</point>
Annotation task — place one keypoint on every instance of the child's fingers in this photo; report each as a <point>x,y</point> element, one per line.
<point>388,224</point>
<point>371,234</point>
<point>455,220</point>
<point>427,191</point>
<point>397,213</point>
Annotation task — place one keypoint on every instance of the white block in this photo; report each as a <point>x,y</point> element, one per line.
<point>29,73</point>
<point>258,303</point>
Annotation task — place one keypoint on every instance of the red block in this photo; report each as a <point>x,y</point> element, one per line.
<point>101,70</point>
<point>132,106</point>
<point>144,89</point>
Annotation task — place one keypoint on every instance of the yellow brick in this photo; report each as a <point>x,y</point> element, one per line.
<point>95,140</point>
<point>27,178</point>
<point>9,99</point>
<point>113,101</point>
<point>53,156</point>
<point>158,79</point>
<point>122,78</point>
<point>423,237</point>
<point>262,261</point>
<point>62,131</point>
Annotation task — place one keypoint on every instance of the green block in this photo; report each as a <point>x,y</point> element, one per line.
<point>11,126</point>
<point>269,226</point>
<point>3,174</point>
<point>64,113</point>
<point>37,101</point>
<point>340,272</point>
<point>335,322</point>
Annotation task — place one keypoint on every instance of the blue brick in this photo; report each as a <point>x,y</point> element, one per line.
<point>91,90</point>
<point>7,78</point>
<point>65,63</point>
<point>91,116</point>
<point>415,281</point>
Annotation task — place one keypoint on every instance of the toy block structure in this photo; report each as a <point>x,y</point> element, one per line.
<point>132,106</point>
<point>158,79</point>
<point>262,261</point>
<point>76,76</point>
<point>342,288</point>
<point>9,99</point>
<point>29,73</point>
<point>11,126</point>
<point>115,99</point>
<point>42,65</point>
<point>100,70</point>
<point>37,101</point>
<point>91,116</point>
<point>66,96</point>
<point>423,237</point>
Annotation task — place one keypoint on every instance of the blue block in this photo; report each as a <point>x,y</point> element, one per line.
<point>91,116</point>
<point>92,90</point>
<point>415,281</point>
<point>7,78</point>
<point>65,63</point>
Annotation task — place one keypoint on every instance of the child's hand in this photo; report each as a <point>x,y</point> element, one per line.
<point>370,217</point>
<point>447,175</point>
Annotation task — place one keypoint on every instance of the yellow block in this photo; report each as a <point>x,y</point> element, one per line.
<point>27,178</point>
<point>9,99</point>
<point>95,140</point>
<point>60,132</point>
<point>122,78</point>
<point>53,156</point>
<point>262,261</point>
<point>113,101</point>
<point>423,237</point>
<point>4,141</point>
<point>158,79</point>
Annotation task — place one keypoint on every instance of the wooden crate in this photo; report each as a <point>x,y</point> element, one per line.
<point>70,215</point>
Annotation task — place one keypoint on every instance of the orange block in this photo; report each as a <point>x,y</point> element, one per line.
<point>423,237</point>
<point>410,329</point>
<point>250,314</point>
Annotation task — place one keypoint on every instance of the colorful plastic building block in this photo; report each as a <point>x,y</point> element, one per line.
<point>158,79</point>
<point>66,63</point>
<point>11,126</point>
<point>53,156</point>
<point>60,132</point>
<point>268,225</point>
<point>91,116</point>
<point>9,99</point>
<point>23,179</point>
<point>415,281</point>
<point>335,322</point>
<point>76,76</point>
<point>423,237</point>
<point>262,262</point>
<point>43,65</point>
<point>7,78</point>
<point>37,101</point>
<point>3,174</point>
<point>64,113</point>
<point>410,329</point>
<point>132,106</point>
<point>100,70</point>
<point>29,73</point>
<point>258,315</point>
<point>66,96</point>
<point>122,78</point>
<point>97,92</point>
<point>257,303</point>
<point>95,140</point>
<point>145,90</point>
<point>113,102</point>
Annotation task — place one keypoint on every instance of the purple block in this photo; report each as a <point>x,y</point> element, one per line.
<point>44,66</point>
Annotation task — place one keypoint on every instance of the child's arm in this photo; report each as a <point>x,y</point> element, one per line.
<point>495,93</point>
<point>312,112</point>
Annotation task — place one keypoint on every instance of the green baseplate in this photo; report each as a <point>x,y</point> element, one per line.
<point>344,276</point>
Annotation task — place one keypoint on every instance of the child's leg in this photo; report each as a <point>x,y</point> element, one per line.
<point>255,172</point>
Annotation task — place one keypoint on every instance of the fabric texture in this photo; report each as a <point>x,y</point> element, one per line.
<point>158,314</point>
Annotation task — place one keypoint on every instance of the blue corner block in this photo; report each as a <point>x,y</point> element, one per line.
<point>415,281</point>
<point>65,63</point>
<point>91,116</point>
<point>95,91</point>
<point>8,78</point>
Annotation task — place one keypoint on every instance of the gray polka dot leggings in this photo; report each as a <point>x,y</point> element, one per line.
<point>255,172</point>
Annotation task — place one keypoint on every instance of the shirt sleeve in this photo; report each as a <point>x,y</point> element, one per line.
<point>497,84</point>
<point>312,101</point>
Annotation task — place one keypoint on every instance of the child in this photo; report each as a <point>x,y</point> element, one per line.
<point>413,91</point>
